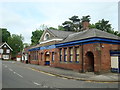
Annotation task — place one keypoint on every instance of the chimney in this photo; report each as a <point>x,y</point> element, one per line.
<point>85,25</point>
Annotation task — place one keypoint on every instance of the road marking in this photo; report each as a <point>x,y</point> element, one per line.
<point>36,83</point>
<point>10,69</point>
<point>18,74</point>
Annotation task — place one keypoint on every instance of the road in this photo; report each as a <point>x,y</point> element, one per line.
<point>16,76</point>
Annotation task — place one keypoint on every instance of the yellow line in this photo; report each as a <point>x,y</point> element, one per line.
<point>67,77</point>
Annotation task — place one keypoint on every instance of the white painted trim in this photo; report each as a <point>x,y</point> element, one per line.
<point>45,35</point>
<point>7,45</point>
<point>51,40</point>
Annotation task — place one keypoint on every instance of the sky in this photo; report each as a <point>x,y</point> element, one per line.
<point>25,16</point>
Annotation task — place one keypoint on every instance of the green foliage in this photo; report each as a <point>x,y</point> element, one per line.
<point>75,24</point>
<point>5,34</point>
<point>92,26</point>
<point>104,26</point>
<point>36,37</point>
<point>52,28</point>
<point>86,18</point>
<point>26,45</point>
<point>16,43</point>
<point>61,28</point>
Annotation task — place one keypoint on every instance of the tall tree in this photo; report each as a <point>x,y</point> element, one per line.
<point>36,36</point>
<point>103,25</point>
<point>16,43</point>
<point>86,18</point>
<point>5,34</point>
<point>68,26</point>
<point>76,23</point>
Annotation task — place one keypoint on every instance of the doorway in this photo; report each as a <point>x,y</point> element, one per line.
<point>47,58</point>
<point>89,62</point>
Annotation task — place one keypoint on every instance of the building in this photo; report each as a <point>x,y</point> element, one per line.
<point>5,51</point>
<point>90,50</point>
<point>25,55</point>
<point>19,56</point>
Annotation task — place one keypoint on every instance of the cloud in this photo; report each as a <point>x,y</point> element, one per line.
<point>23,18</point>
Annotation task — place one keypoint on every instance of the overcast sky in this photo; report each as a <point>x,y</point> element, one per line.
<point>24,16</point>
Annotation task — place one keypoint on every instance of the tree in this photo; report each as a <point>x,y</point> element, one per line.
<point>16,43</point>
<point>5,34</point>
<point>26,45</point>
<point>86,18</point>
<point>52,28</point>
<point>75,24</point>
<point>61,28</point>
<point>103,25</point>
<point>68,26</point>
<point>36,36</point>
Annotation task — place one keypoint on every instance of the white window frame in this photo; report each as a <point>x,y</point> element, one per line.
<point>1,50</point>
<point>7,50</point>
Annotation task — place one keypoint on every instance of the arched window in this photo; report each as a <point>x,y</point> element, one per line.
<point>47,36</point>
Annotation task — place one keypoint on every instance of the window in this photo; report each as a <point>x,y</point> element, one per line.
<point>71,54</point>
<point>65,54</point>
<point>8,51</point>
<point>60,54</point>
<point>5,46</point>
<point>47,36</point>
<point>53,56</point>
<point>77,53</point>
<point>1,50</point>
<point>5,56</point>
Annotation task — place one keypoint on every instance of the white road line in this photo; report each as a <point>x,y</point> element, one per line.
<point>10,69</point>
<point>18,74</point>
<point>36,83</point>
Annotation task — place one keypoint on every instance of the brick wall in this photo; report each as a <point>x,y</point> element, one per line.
<point>101,54</point>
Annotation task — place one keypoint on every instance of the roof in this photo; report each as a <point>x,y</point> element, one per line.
<point>89,34</point>
<point>1,44</point>
<point>60,33</point>
<point>85,34</point>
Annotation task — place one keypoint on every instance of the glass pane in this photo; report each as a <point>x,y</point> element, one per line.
<point>77,58</point>
<point>77,50</point>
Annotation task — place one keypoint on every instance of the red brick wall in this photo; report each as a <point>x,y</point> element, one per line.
<point>101,52</point>
<point>34,62</point>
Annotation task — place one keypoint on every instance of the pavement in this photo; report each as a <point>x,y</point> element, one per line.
<point>69,74</point>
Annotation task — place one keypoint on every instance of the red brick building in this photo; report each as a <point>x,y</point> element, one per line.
<point>89,50</point>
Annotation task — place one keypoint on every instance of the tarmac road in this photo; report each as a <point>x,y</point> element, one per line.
<point>16,76</point>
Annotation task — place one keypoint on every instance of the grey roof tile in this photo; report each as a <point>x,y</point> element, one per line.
<point>61,34</point>
<point>89,34</point>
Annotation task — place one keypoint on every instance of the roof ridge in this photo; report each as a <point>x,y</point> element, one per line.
<point>61,30</point>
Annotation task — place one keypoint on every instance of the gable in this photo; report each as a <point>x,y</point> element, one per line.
<point>46,36</point>
<point>5,45</point>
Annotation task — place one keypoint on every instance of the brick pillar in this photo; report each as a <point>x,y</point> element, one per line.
<point>74,54</point>
<point>97,62</point>
<point>58,55</point>
<point>81,61</point>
